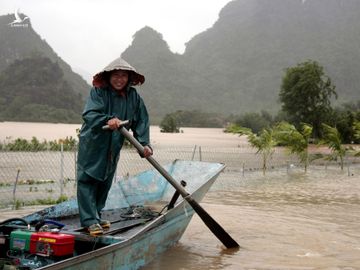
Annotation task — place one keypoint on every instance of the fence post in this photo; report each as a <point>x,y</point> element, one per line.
<point>243,169</point>
<point>287,166</point>
<point>200,153</point>
<point>14,190</point>
<point>193,154</point>
<point>75,164</point>
<point>61,169</point>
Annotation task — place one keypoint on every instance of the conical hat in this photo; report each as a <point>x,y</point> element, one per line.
<point>100,79</point>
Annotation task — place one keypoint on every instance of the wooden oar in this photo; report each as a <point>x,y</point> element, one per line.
<point>215,227</point>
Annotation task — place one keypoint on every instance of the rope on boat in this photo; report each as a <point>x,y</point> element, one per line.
<point>140,212</point>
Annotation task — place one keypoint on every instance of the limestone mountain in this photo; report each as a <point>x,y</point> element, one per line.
<point>35,89</point>
<point>166,84</point>
<point>233,67</point>
<point>17,43</point>
<point>236,65</point>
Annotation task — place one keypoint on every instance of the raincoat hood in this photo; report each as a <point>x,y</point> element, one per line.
<point>101,79</point>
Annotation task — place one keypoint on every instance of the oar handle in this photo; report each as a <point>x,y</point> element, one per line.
<point>218,231</point>
<point>153,162</point>
<point>122,124</point>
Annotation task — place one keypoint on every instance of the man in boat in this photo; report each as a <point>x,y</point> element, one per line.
<point>112,99</point>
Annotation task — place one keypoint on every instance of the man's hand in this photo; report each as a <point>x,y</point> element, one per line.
<point>114,123</point>
<point>147,151</point>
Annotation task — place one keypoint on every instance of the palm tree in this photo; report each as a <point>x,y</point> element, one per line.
<point>296,141</point>
<point>264,142</point>
<point>332,139</point>
<point>236,129</point>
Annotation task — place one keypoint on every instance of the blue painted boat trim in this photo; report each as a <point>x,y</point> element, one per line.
<point>137,249</point>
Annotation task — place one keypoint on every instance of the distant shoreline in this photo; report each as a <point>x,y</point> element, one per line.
<point>212,137</point>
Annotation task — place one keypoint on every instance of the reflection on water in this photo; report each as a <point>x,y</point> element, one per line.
<point>285,220</point>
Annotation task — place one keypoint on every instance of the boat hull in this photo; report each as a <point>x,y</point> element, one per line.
<point>133,254</point>
<point>139,245</point>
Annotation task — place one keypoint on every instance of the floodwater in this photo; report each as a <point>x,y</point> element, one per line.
<point>285,220</point>
<point>188,136</point>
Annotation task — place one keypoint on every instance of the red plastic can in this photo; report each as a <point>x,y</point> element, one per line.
<point>52,244</point>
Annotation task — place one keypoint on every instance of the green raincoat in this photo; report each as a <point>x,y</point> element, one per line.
<point>99,149</point>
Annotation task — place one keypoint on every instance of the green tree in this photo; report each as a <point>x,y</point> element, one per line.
<point>236,129</point>
<point>332,139</point>
<point>306,94</point>
<point>297,141</point>
<point>169,124</point>
<point>264,142</point>
<point>196,118</point>
<point>356,128</point>
<point>255,121</point>
<point>344,118</point>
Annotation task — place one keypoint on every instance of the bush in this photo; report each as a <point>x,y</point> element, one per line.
<point>34,145</point>
<point>254,121</point>
<point>169,124</point>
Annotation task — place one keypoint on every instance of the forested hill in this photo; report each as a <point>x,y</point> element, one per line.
<point>17,43</point>
<point>237,65</point>
<point>233,67</point>
<point>35,89</point>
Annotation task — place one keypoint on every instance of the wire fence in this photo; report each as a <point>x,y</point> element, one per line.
<point>44,177</point>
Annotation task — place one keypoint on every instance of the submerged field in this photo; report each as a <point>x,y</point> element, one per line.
<point>285,219</point>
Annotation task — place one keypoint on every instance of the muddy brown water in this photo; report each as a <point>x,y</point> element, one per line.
<point>285,220</point>
<point>9,131</point>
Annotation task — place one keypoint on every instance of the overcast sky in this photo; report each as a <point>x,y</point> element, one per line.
<point>88,34</point>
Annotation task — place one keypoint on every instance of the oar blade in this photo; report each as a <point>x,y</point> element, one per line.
<point>215,227</point>
<point>219,232</point>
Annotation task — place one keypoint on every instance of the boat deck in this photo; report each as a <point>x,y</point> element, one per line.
<point>147,216</point>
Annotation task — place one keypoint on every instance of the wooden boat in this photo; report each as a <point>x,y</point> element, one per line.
<point>146,213</point>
